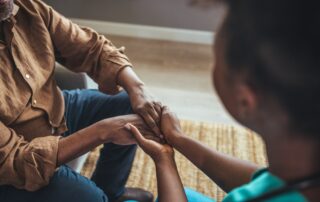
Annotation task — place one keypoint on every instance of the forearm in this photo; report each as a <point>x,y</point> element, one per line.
<point>228,172</point>
<point>78,144</point>
<point>128,79</point>
<point>170,187</point>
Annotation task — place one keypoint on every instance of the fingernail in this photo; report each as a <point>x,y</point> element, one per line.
<point>127,126</point>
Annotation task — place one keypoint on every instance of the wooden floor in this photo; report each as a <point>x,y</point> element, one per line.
<point>178,74</point>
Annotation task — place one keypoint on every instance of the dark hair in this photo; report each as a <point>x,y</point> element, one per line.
<point>277,43</point>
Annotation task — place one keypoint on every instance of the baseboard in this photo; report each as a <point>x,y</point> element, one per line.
<point>148,32</point>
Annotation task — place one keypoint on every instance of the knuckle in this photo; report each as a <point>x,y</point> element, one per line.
<point>157,103</point>
<point>158,120</point>
<point>152,124</point>
<point>141,111</point>
<point>139,108</point>
<point>166,114</point>
<point>165,108</point>
<point>149,105</point>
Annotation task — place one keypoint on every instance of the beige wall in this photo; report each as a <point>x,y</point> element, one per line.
<point>165,13</point>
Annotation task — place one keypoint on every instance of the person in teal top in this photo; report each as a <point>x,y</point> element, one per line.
<point>262,182</point>
<point>267,75</point>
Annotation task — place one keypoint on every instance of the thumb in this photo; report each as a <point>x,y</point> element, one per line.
<point>165,109</point>
<point>136,133</point>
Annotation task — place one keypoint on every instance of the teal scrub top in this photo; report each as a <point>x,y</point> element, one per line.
<point>263,182</point>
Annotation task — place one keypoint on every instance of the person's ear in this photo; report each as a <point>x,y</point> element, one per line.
<point>247,102</point>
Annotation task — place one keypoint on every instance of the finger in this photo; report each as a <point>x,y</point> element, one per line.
<point>130,141</point>
<point>136,133</point>
<point>156,118</point>
<point>150,135</point>
<point>157,106</point>
<point>146,132</point>
<point>147,135</point>
<point>165,109</point>
<point>152,124</point>
<point>154,114</point>
<point>154,138</point>
<point>167,112</point>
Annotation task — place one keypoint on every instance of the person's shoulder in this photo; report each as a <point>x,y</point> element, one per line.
<point>28,2</point>
<point>32,5</point>
<point>33,9</point>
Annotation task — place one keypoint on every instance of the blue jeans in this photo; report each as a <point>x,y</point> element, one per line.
<point>83,108</point>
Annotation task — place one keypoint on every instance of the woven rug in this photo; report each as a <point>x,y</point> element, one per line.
<point>236,141</point>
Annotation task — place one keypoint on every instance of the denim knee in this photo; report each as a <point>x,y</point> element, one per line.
<point>123,100</point>
<point>114,105</point>
<point>67,185</point>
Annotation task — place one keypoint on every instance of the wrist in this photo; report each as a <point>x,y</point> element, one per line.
<point>174,138</point>
<point>102,131</point>
<point>130,81</point>
<point>137,88</point>
<point>164,159</point>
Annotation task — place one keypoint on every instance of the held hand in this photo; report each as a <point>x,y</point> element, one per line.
<point>170,125</point>
<point>113,129</point>
<point>142,103</point>
<point>155,150</point>
<point>150,110</point>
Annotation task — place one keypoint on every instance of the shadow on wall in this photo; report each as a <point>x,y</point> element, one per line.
<point>163,13</point>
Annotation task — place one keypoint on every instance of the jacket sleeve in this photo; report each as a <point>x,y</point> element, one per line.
<point>82,49</point>
<point>26,165</point>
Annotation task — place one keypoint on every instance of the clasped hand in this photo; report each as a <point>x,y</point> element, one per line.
<point>132,129</point>
<point>169,127</point>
